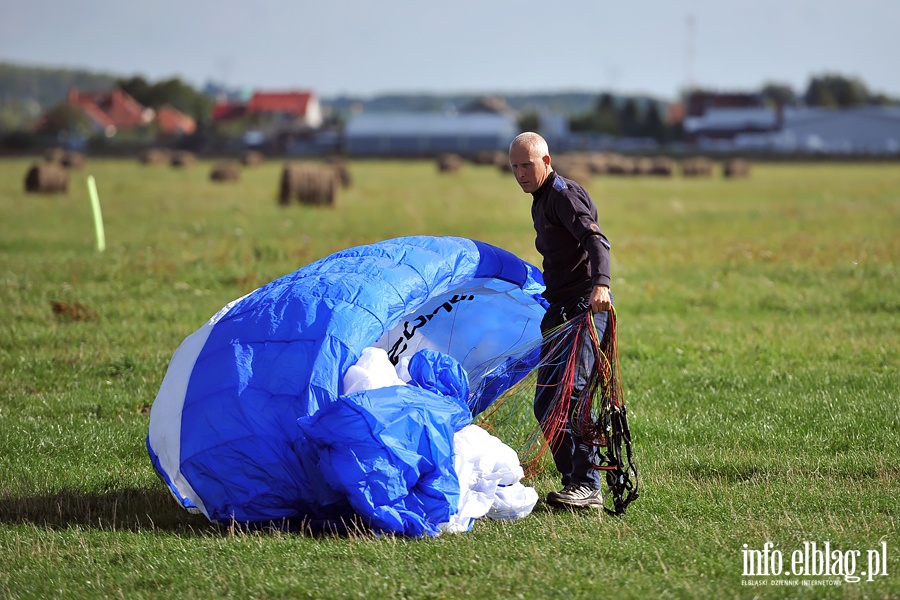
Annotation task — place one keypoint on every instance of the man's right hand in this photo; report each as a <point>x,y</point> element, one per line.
<point>600,300</point>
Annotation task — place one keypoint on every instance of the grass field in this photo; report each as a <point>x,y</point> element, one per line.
<point>759,331</point>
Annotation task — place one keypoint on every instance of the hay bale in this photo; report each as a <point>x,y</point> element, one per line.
<point>643,166</point>
<point>342,169</point>
<point>598,162</point>
<point>663,166</point>
<point>182,159</point>
<point>54,155</point>
<point>736,167</point>
<point>572,167</point>
<point>308,183</point>
<point>252,158</point>
<point>225,171</point>
<point>486,157</point>
<point>501,161</point>
<point>449,163</point>
<point>155,156</point>
<point>73,160</point>
<point>621,165</point>
<point>698,166</point>
<point>47,178</point>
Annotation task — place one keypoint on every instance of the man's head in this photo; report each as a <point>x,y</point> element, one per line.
<point>529,158</point>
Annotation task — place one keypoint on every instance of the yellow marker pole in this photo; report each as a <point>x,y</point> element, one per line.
<point>98,218</point>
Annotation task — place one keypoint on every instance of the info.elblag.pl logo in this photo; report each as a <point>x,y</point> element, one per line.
<point>815,560</point>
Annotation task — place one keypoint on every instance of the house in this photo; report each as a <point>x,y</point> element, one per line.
<point>715,116</point>
<point>289,109</point>
<point>427,134</point>
<point>699,102</point>
<point>173,122</point>
<point>111,111</point>
<point>728,123</point>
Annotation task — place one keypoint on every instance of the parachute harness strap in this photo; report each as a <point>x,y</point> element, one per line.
<point>603,419</point>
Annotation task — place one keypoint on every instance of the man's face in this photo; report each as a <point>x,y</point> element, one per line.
<point>529,167</point>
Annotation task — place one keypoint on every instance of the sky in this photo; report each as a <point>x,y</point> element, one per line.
<point>366,48</point>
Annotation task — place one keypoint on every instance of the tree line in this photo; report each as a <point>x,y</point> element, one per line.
<point>30,95</point>
<point>643,117</point>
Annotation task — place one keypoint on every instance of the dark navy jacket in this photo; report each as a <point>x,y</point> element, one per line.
<point>575,251</point>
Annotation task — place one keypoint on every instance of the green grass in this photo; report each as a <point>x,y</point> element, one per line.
<point>759,331</point>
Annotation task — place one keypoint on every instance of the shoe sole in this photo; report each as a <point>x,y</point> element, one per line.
<point>560,503</point>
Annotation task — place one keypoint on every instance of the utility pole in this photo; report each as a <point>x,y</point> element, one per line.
<point>689,33</point>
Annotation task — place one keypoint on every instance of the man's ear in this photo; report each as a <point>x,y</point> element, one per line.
<point>546,159</point>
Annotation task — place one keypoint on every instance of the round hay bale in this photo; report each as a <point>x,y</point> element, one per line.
<point>572,167</point>
<point>182,159</point>
<point>643,166</point>
<point>501,161</point>
<point>663,166</point>
<point>598,162</point>
<point>698,166</point>
<point>54,155</point>
<point>621,165</point>
<point>485,157</point>
<point>225,171</point>
<point>155,156</point>
<point>308,183</point>
<point>252,158</point>
<point>342,169</point>
<point>449,163</point>
<point>73,160</point>
<point>46,178</point>
<point>736,167</point>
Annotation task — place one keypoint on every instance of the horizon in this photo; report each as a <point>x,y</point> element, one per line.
<point>436,93</point>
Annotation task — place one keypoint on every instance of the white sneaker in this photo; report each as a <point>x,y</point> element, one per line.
<point>576,496</point>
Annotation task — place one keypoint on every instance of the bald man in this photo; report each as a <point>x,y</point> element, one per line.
<point>577,275</point>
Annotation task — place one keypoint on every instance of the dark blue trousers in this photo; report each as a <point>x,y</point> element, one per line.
<point>574,459</point>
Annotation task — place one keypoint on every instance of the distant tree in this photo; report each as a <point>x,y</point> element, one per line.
<point>171,91</point>
<point>46,86</point>
<point>334,120</point>
<point>586,122</point>
<point>675,132</point>
<point>654,126</point>
<point>836,91</point>
<point>818,94</point>
<point>631,120</point>
<point>607,115</point>
<point>883,100</point>
<point>775,94</point>
<point>529,121</point>
<point>18,140</point>
<point>64,118</point>
<point>138,88</point>
<point>604,118</point>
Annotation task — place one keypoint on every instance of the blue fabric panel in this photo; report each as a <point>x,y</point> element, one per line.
<point>497,263</point>
<point>439,373</point>
<point>390,451</point>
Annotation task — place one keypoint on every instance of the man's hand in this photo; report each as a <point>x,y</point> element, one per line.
<point>600,300</point>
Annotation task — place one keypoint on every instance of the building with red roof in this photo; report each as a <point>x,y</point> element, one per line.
<point>295,109</point>
<point>173,122</point>
<point>111,111</point>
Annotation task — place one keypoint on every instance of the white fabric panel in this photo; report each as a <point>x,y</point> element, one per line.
<point>165,417</point>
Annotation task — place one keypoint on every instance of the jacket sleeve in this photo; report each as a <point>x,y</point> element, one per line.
<point>576,215</point>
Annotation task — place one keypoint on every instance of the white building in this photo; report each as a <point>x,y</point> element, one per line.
<point>860,130</point>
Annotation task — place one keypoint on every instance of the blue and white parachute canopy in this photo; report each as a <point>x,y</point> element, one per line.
<point>251,422</point>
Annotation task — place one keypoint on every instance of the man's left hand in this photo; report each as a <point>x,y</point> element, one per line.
<point>600,300</point>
